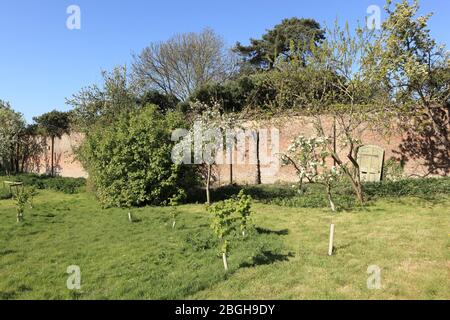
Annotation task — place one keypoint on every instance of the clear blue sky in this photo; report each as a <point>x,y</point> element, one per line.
<point>42,62</point>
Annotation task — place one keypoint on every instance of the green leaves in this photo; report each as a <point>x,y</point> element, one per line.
<point>22,197</point>
<point>225,215</point>
<point>129,162</point>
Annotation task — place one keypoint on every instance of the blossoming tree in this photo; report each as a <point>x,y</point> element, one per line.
<point>309,157</point>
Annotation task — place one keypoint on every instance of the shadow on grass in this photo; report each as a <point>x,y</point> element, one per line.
<point>6,252</point>
<point>7,295</point>
<point>266,257</point>
<point>282,232</point>
<point>336,249</point>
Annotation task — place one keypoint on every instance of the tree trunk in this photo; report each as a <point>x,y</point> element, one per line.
<point>258,161</point>
<point>334,139</point>
<point>17,158</point>
<point>51,161</point>
<point>208,184</point>
<point>356,183</point>
<point>330,199</point>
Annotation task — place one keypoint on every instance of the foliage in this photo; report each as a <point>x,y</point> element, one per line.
<point>416,72</point>
<point>11,128</point>
<point>428,188</point>
<point>5,194</point>
<point>62,184</point>
<point>233,95</point>
<point>183,63</point>
<point>53,124</point>
<point>100,106</point>
<point>243,209</point>
<point>393,170</point>
<point>225,214</point>
<point>164,102</point>
<point>289,38</point>
<point>130,161</point>
<point>314,195</point>
<point>22,197</point>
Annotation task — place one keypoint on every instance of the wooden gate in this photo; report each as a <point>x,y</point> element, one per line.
<point>370,160</point>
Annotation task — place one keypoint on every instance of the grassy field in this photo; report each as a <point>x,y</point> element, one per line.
<point>284,258</point>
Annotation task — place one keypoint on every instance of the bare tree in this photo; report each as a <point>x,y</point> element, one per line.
<point>184,62</point>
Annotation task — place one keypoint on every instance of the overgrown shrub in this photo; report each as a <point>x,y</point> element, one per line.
<point>427,188</point>
<point>393,170</point>
<point>314,197</point>
<point>62,184</point>
<point>129,161</point>
<point>5,194</point>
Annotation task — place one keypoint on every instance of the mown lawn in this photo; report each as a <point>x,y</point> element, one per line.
<point>284,258</point>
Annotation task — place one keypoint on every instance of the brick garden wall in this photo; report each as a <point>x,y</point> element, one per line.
<point>246,173</point>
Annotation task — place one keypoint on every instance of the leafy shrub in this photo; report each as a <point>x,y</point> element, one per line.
<point>62,184</point>
<point>22,197</point>
<point>314,197</point>
<point>427,188</point>
<point>226,213</point>
<point>393,170</point>
<point>66,185</point>
<point>129,161</point>
<point>5,194</point>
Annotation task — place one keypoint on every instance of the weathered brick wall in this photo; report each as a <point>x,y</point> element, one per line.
<point>246,173</point>
<point>292,127</point>
<point>64,162</point>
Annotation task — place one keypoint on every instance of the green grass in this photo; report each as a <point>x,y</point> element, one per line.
<point>285,258</point>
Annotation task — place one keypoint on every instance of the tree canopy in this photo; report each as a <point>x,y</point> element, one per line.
<point>292,36</point>
<point>183,63</point>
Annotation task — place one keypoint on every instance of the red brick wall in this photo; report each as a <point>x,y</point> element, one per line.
<point>289,128</point>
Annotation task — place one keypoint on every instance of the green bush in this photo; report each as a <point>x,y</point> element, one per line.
<point>129,161</point>
<point>427,188</point>
<point>62,184</point>
<point>314,196</point>
<point>5,194</point>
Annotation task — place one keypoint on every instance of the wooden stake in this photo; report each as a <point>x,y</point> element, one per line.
<point>225,263</point>
<point>129,217</point>
<point>330,245</point>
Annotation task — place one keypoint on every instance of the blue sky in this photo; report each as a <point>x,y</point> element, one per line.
<point>42,62</point>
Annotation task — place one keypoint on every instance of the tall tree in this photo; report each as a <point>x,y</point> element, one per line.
<point>11,128</point>
<point>102,105</point>
<point>291,37</point>
<point>415,69</point>
<point>164,102</point>
<point>336,82</point>
<point>183,63</point>
<point>53,124</point>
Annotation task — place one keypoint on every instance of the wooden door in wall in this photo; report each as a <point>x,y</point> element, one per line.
<point>370,160</point>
